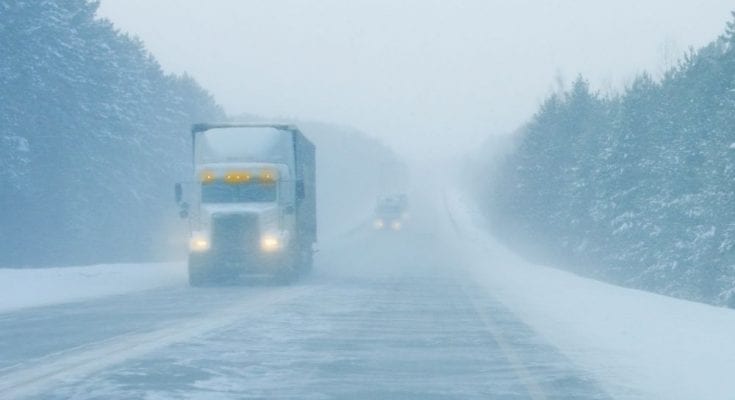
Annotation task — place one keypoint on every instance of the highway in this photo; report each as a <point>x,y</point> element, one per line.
<point>384,315</point>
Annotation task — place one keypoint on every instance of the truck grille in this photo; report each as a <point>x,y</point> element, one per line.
<point>234,233</point>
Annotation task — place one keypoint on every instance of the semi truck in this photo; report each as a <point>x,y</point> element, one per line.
<point>252,215</point>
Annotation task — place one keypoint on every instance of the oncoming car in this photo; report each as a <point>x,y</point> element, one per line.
<point>391,212</point>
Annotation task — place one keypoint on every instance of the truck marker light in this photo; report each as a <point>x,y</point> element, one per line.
<point>235,177</point>
<point>207,176</point>
<point>268,176</point>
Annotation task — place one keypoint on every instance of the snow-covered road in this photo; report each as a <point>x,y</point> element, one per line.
<point>385,315</point>
<point>438,310</point>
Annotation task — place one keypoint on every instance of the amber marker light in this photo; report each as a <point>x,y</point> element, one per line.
<point>268,176</point>
<point>235,177</point>
<point>207,176</point>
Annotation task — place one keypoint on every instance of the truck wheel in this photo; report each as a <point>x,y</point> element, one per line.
<point>196,279</point>
<point>306,261</point>
<point>286,276</point>
<point>197,272</point>
<point>289,269</point>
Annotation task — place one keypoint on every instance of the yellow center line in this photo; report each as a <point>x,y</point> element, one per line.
<point>525,377</point>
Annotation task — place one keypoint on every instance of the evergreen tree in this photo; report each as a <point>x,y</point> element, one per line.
<point>637,189</point>
<point>92,136</point>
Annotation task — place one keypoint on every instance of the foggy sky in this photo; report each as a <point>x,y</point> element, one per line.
<point>426,77</point>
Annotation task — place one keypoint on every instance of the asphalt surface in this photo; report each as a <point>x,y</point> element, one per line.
<point>385,315</point>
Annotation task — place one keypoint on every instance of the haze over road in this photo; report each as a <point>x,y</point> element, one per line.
<point>385,315</point>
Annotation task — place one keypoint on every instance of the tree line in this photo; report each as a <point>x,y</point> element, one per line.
<point>636,188</point>
<point>92,135</point>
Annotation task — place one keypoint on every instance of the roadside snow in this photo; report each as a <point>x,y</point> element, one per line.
<point>21,288</point>
<point>639,345</point>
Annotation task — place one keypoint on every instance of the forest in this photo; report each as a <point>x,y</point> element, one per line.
<point>636,187</point>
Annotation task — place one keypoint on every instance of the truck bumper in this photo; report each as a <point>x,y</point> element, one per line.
<point>213,267</point>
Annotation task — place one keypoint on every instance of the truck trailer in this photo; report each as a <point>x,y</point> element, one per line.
<point>253,216</point>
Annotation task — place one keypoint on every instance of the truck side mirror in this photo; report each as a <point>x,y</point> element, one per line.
<point>184,212</point>
<point>178,192</point>
<point>300,190</point>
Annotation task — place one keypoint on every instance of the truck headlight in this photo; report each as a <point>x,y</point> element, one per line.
<point>270,243</point>
<point>198,243</point>
<point>378,224</point>
<point>396,225</point>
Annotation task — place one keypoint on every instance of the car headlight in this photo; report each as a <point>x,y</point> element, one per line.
<point>378,224</point>
<point>199,243</point>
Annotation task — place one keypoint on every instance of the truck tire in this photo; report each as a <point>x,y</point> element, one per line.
<point>198,276</point>
<point>196,279</point>
<point>306,261</point>
<point>285,276</point>
<point>289,269</point>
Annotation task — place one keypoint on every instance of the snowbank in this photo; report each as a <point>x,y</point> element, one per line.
<point>639,345</point>
<point>21,288</point>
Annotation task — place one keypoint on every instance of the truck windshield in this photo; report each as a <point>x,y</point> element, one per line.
<point>389,210</point>
<point>219,192</point>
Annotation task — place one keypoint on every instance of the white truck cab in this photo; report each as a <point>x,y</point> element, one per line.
<point>255,212</point>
